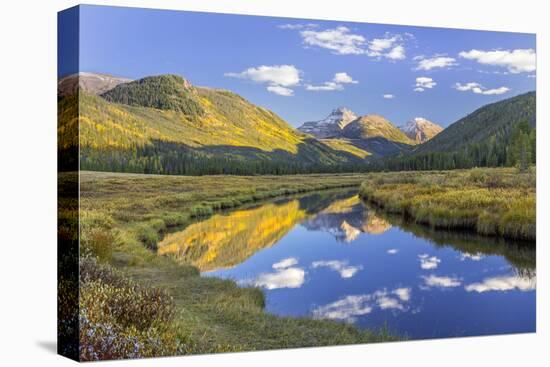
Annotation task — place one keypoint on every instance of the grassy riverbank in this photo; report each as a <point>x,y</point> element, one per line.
<point>490,201</point>
<point>173,309</point>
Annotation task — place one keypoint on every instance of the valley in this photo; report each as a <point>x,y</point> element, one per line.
<point>219,224</point>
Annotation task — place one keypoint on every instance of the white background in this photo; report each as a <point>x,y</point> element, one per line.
<point>28,181</point>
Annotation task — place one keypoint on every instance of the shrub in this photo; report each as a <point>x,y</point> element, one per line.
<point>98,242</point>
<point>120,319</point>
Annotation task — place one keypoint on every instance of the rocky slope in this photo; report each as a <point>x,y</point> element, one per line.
<point>89,82</point>
<point>420,130</point>
<point>331,126</point>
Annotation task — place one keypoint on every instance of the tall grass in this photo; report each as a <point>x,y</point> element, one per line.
<point>491,201</point>
<point>153,305</point>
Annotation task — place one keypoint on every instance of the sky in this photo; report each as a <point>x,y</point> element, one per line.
<point>302,69</point>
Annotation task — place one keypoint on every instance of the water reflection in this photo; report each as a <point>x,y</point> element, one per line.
<point>346,219</point>
<point>349,307</point>
<point>327,255</point>
<point>225,240</point>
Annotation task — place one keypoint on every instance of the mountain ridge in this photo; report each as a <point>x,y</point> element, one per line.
<point>420,130</point>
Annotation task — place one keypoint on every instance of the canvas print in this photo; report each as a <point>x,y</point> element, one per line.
<point>235,183</point>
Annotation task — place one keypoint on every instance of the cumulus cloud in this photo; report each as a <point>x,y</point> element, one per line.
<point>515,61</point>
<point>282,91</point>
<point>337,83</point>
<point>441,281</point>
<point>504,283</point>
<point>427,262</point>
<point>285,263</point>
<point>338,266</point>
<point>387,47</point>
<point>343,78</point>
<point>285,276</point>
<point>468,256</point>
<point>396,53</point>
<point>404,294</point>
<point>278,77</point>
<point>434,62</point>
<point>285,75</point>
<point>480,89</point>
<point>388,96</point>
<point>347,308</point>
<point>423,83</point>
<point>339,40</point>
<point>392,251</point>
<point>350,307</point>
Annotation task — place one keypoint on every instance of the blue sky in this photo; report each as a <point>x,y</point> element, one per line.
<point>302,69</point>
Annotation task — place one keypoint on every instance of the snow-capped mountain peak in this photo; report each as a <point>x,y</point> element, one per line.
<point>420,129</point>
<point>331,125</point>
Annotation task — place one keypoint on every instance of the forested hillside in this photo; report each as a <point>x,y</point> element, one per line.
<point>498,134</point>
<point>165,125</point>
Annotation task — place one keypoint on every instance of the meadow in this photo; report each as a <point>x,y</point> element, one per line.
<point>136,303</point>
<point>153,305</point>
<point>490,201</point>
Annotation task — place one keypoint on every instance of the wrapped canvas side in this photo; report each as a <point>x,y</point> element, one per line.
<point>68,190</point>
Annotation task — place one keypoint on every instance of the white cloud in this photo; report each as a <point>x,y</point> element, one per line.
<point>505,283</point>
<point>396,53</point>
<point>387,47</point>
<point>516,61</point>
<point>339,266</point>
<point>339,40</point>
<point>389,303</point>
<point>441,282</point>
<point>337,83</point>
<point>423,83</point>
<point>349,307</point>
<point>297,26</point>
<point>480,89</point>
<point>381,44</point>
<point>343,78</point>
<point>427,262</point>
<point>404,294</point>
<point>388,96</point>
<point>282,91</point>
<point>434,62</point>
<point>286,275</point>
<point>392,251</point>
<point>285,75</point>
<point>284,278</point>
<point>474,257</point>
<point>285,263</point>
<point>327,86</point>
<point>278,77</point>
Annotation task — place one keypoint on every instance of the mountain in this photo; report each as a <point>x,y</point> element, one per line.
<point>494,120</point>
<point>164,124</point>
<point>374,126</point>
<point>497,134</point>
<point>376,135</point>
<point>331,126</point>
<point>88,82</point>
<point>420,130</point>
<point>370,135</point>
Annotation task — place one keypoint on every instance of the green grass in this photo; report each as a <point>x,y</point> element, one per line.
<point>132,212</point>
<point>490,201</point>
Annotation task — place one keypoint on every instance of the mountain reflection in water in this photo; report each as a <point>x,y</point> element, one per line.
<point>327,255</point>
<point>225,240</point>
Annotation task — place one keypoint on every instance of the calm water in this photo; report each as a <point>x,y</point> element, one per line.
<point>326,255</point>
